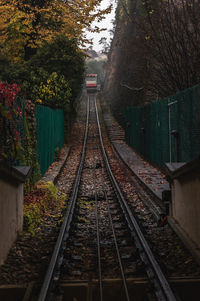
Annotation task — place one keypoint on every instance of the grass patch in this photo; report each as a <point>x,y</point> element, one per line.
<point>43,202</point>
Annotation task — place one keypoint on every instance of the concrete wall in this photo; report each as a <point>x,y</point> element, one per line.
<point>185,207</point>
<point>11,215</point>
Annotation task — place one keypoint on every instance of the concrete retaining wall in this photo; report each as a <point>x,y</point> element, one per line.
<point>186,205</point>
<point>11,205</point>
<point>11,215</point>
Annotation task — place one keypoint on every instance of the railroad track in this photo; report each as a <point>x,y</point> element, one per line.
<point>100,239</point>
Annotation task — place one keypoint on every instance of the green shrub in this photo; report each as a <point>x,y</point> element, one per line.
<point>55,92</point>
<point>44,201</point>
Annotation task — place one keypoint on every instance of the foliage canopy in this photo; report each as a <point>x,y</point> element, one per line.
<point>25,24</point>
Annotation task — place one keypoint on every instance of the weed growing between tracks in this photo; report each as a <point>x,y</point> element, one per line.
<point>86,203</point>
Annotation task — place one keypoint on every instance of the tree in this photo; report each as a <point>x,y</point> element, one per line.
<point>61,55</point>
<point>155,51</point>
<point>24,25</point>
<point>174,45</point>
<point>126,68</point>
<point>105,44</point>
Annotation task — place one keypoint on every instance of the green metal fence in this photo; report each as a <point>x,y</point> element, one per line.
<point>167,130</point>
<point>50,134</point>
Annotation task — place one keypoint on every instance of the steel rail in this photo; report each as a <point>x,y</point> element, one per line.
<point>117,250</point>
<point>162,288</point>
<point>64,231</point>
<point>115,243</point>
<point>98,249</point>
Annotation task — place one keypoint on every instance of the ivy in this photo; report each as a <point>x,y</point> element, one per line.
<point>11,115</point>
<point>30,147</point>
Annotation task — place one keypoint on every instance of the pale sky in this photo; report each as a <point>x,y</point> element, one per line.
<point>106,23</point>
